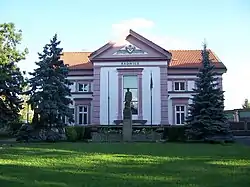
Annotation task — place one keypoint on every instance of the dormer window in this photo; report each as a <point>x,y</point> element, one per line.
<point>180,86</point>
<point>83,87</point>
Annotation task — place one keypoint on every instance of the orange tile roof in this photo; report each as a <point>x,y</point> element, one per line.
<point>77,60</point>
<point>180,59</point>
<point>192,58</point>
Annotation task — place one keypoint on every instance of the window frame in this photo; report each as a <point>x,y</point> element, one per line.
<point>180,112</point>
<point>83,85</point>
<point>83,113</point>
<point>179,85</point>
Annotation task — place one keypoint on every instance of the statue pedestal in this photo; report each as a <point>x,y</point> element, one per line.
<point>127,118</point>
<point>127,130</point>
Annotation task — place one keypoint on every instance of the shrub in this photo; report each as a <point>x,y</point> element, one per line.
<point>71,133</point>
<point>174,133</point>
<point>80,131</point>
<point>87,133</point>
<point>25,133</point>
<point>15,126</point>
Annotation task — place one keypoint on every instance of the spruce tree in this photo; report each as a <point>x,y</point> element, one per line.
<point>50,88</point>
<point>206,113</point>
<point>11,78</point>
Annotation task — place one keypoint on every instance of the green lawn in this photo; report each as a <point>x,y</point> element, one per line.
<point>117,164</point>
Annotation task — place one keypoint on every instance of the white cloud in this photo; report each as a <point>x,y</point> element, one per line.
<point>122,28</point>
<point>146,27</point>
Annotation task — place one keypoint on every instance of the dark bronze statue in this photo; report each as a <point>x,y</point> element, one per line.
<point>128,97</point>
<point>127,109</point>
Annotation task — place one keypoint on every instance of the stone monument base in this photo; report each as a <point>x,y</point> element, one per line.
<point>127,130</point>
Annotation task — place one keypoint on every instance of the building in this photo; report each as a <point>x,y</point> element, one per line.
<point>100,80</point>
<point>238,115</point>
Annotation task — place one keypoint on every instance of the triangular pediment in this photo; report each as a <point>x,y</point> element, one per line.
<point>134,47</point>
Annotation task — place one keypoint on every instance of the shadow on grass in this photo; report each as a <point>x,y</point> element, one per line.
<point>66,165</point>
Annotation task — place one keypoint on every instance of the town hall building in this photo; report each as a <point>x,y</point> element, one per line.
<point>160,80</point>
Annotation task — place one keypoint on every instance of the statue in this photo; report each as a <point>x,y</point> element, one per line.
<point>128,97</point>
<point>127,109</point>
<point>127,117</point>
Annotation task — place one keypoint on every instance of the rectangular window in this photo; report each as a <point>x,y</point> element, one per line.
<point>131,82</point>
<point>82,115</point>
<point>179,86</point>
<point>83,87</point>
<point>180,114</point>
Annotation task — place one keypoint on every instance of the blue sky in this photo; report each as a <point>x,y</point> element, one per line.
<point>86,25</point>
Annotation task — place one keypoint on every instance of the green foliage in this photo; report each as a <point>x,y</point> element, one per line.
<point>26,113</point>
<point>11,78</point>
<point>71,133</point>
<point>50,88</point>
<point>80,130</point>
<point>174,133</point>
<point>207,117</point>
<point>87,133</point>
<point>82,133</point>
<point>15,126</point>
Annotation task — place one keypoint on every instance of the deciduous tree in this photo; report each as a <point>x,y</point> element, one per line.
<point>11,78</point>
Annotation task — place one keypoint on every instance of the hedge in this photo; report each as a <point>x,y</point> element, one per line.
<point>174,133</point>
<point>78,133</point>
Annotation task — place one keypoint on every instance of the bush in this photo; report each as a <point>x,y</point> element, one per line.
<point>15,126</point>
<point>174,133</point>
<point>80,131</point>
<point>87,133</point>
<point>25,133</point>
<point>71,133</point>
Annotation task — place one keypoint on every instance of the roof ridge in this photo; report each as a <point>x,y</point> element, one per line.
<point>185,50</point>
<point>77,52</point>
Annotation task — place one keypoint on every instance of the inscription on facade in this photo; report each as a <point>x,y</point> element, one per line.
<point>130,63</point>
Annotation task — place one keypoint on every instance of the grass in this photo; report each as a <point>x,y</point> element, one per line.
<point>117,164</point>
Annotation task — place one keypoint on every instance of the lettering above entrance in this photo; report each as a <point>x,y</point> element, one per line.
<point>130,63</point>
<point>130,50</point>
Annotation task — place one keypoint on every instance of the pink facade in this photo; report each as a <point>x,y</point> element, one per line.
<point>151,56</point>
<point>96,97</point>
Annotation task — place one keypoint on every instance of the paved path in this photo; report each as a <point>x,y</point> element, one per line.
<point>10,140</point>
<point>240,139</point>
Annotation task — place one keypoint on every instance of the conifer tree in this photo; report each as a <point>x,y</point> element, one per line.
<point>206,113</point>
<point>50,88</point>
<point>11,78</point>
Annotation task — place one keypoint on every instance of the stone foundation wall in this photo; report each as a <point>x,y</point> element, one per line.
<point>112,134</point>
<point>148,137</point>
<point>106,137</point>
